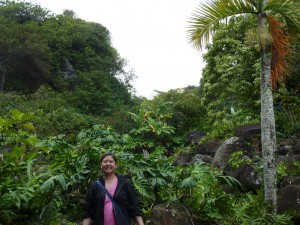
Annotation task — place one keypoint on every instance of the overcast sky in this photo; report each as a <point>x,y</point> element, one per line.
<point>150,34</point>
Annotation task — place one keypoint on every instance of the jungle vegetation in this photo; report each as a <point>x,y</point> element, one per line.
<point>276,22</point>
<point>66,98</point>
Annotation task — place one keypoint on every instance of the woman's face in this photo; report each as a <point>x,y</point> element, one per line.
<point>108,164</point>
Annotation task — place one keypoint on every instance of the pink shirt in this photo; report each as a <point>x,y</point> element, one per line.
<point>109,217</point>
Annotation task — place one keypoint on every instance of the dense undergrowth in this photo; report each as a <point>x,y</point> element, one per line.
<point>66,98</point>
<point>44,178</point>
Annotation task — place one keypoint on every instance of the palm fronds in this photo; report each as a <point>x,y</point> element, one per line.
<point>280,51</point>
<point>207,16</point>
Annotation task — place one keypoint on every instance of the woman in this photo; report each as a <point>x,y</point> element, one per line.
<point>98,206</point>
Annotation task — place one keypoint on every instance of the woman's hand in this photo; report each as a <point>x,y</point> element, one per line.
<point>139,220</point>
<point>86,221</point>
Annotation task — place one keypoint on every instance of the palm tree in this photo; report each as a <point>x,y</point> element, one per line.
<point>277,21</point>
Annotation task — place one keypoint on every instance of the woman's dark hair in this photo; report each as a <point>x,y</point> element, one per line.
<point>108,154</point>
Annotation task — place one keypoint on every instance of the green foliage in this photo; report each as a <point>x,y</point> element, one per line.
<point>187,110</point>
<point>237,159</point>
<point>251,209</point>
<point>204,193</point>
<point>22,12</point>
<point>49,175</point>
<point>99,96</point>
<point>224,123</point>
<point>287,113</point>
<point>297,165</point>
<point>64,53</point>
<point>231,75</point>
<point>46,180</point>
<point>282,170</point>
<point>151,174</point>
<point>52,113</point>
<point>46,168</point>
<point>18,181</point>
<point>24,60</point>
<point>152,125</point>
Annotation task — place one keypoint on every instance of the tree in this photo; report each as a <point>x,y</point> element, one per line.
<point>275,20</point>
<point>24,53</point>
<point>230,77</point>
<point>65,53</point>
<point>22,12</point>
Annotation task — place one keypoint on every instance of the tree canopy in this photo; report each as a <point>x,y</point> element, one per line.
<point>63,52</point>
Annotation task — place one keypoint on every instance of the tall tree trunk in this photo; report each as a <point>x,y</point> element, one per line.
<point>268,135</point>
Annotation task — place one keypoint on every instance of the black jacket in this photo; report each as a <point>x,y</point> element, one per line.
<point>124,196</point>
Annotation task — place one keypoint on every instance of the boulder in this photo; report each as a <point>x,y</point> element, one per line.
<point>281,158</point>
<point>209,147</point>
<point>68,69</point>
<point>285,149</point>
<point>169,214</point>
<point>290,181</point>
<point>194,137</point>
<point>201,158</point>
<point>289,199</point>
<point>297,147</point>
<point>183,159</point>
<point>247,131</point>
<point>228,168</point>
<point>291,159</point>
<point>247,176</point>
<point>7,148</point>
<point>229,146</point>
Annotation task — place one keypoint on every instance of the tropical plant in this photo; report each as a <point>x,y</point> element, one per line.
<point>230,78</point>
<point>221,125</point>
<point>201,188</point>
<point>187,110</point>
<point>38,178</point>
<point>153,126</point>
<point>251,209</point>
<point>275,20</point>
<point>51,113</point>
<point>19,175</point>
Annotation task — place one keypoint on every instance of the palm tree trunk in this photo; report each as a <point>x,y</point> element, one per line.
<point>268,135</point>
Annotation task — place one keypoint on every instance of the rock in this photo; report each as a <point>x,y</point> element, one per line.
<point>247,131</point>
<point>209,147</point>
<point>289,199</point>
<point>228,168</point>
<point>194,137</point>
<point>201,158</point>
<point>290,181</point>
<point>291,159</point>
<point>183,159</point>
<point>247,176</point>
<point>6,149</point>
<point>297,147</point>
<point>68,69</point>
<point>169,214</point>
<point>280,158</point>
<point>229,146</point>
<point>285,149</point>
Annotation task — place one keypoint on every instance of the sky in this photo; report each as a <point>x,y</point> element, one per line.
<point>149,34</point>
